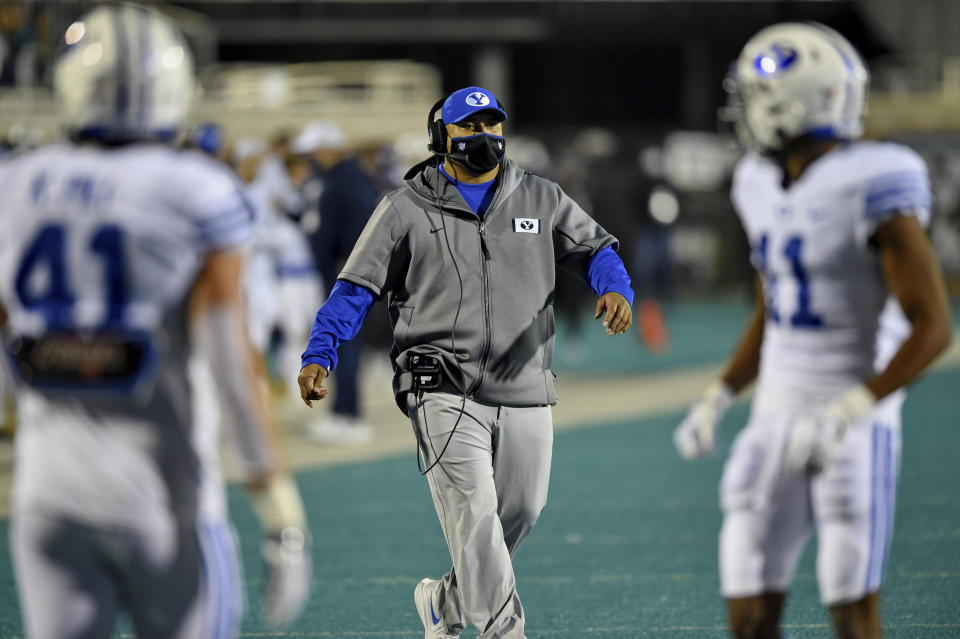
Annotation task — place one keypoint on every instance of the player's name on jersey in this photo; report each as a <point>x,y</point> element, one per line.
<point>76,359</point>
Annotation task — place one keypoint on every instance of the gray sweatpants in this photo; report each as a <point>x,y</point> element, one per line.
<point>488,489</point>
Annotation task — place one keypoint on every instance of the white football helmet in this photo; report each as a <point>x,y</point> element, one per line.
<point>798,79</point>
<point>126,74</point>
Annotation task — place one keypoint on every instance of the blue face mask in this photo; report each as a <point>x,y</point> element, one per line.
<point>478,154</point>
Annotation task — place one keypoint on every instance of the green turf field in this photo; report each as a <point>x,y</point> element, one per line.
<point>625,548</point>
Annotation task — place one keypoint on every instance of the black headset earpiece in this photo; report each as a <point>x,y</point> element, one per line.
<point>436,130</point>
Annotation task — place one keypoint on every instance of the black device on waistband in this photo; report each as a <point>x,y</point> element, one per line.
<point>426,372</point>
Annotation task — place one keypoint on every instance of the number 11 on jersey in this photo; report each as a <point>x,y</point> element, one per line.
<point>803,317</point>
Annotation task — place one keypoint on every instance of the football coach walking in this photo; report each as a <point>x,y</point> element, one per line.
<point>464,254</point>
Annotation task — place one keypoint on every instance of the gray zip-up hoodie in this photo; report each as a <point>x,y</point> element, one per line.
<point>480,291</point>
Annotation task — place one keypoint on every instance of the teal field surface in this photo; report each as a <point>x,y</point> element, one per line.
<point>625,548</point>
<point>699,333</point>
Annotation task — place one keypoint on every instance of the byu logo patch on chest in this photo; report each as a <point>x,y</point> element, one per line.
<point>526,225</point>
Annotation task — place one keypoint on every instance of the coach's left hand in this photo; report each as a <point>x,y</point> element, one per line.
<point>311,383</point>
<point>619,315</point>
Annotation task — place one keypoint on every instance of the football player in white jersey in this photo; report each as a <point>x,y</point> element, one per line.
<point>120,259</point>
<point>851,307</point>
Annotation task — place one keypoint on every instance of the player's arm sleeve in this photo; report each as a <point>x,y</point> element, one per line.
<point>222,215</point>
<point>900,188</point>
<point>607,274</point>
<point>380,257</point>
<point>740,194</point>
<point>218,334</point>
<point>337,321</point>
<point>577,237</point>
<point>223,223</point>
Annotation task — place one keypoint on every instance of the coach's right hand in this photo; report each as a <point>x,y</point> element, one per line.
<point>697,434</point>
<point>311,383</point>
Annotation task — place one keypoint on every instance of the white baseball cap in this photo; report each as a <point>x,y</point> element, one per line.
<point>245,148</point>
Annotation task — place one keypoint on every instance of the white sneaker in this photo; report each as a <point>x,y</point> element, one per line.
<point>337,429</point>
<point>423,596</point>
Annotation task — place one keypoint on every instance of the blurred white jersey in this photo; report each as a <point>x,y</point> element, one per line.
<point>283,288</point>
<point>831,321</point>
<point>99,253</point>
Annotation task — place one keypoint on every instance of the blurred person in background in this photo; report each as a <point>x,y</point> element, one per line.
<point>651,263</point>
<point>260,279</point>
<point>274,170</point>
<point>851,307</point>
<point>347,198</point>
<point>25,45</point>
<point>118,500</point>
<point>465,253</point>
<point>282,282</point>
<point>576,166</point>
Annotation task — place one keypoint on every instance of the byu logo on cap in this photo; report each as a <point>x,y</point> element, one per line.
<point>526,225</point>
<point>477,99</point>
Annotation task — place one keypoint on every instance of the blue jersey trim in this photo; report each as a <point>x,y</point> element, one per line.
<point>900,191</point>
<point>230,226</point>
<point>295,270</point>
<point>224,222</point>
<point>823,133</point>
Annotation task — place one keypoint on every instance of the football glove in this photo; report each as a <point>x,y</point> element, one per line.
<point>816,440</point>
<point>696,435</point>
<point>288,571</point>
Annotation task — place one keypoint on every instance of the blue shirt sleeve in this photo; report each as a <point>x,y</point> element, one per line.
<point>338,320</point>
<point>607,274</point>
